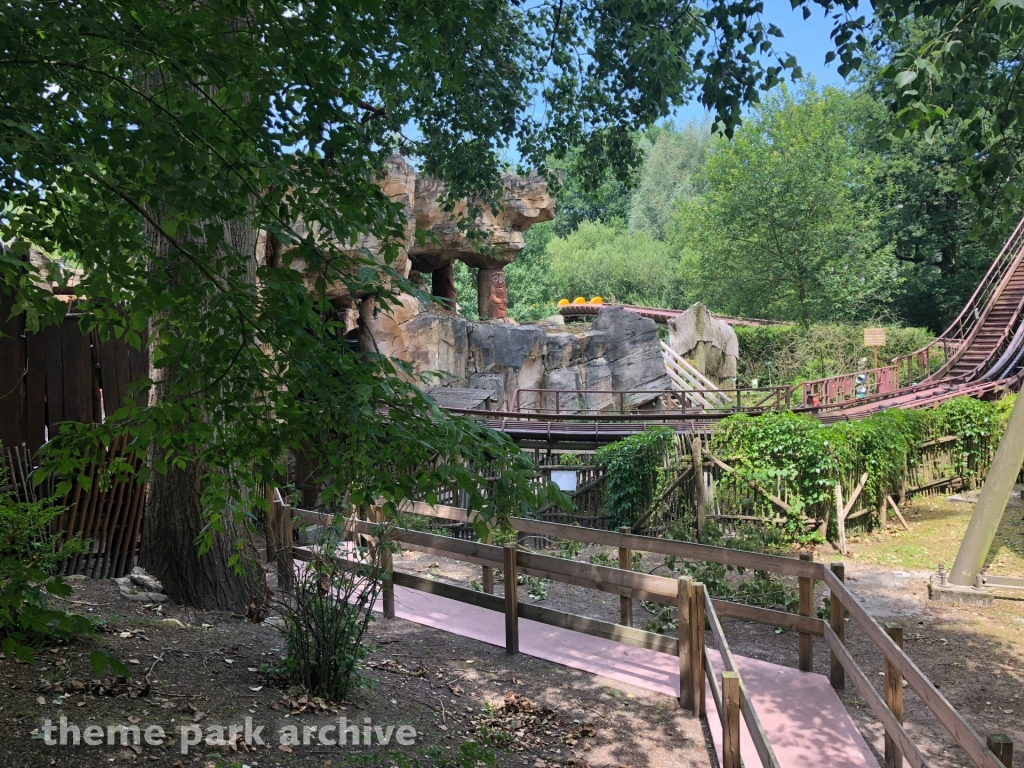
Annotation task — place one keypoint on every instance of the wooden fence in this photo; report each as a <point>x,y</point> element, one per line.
<point>108,514</point>
<point>693,606</point>
<point>59,374</point>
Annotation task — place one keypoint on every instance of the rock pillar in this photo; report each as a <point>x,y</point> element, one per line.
<point>492,296</point>
<point>443,283</point>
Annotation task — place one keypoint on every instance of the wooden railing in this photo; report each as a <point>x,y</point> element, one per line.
<point>606,404</point>
<point>693,605</point>
<point>849,386</point>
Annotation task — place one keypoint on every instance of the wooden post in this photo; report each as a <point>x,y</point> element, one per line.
<point>511,602</point>
<point>806,609</point>
<point>837,674</point>
<point>730,720</point>
<point>894,699</point>
<point>840,521</point>
<point>487,573</point>
<point>387,567</point>
<point>683,606</point>
<point>697,648</point>
<point>285,561</point>
<point>883,513</point>
<point>1002,746</point>
<point>626,564</point>
<point>272,525</point>
<point>698,474</point>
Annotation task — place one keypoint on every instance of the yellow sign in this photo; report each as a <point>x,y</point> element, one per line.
<point>874,337</point>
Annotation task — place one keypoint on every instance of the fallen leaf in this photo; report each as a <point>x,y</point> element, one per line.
<point>285,748</point>
<point>198,716</point>
<point>134,719</point>
<point>41,700</point>
<point>133,661</point>
<point>255,687</point>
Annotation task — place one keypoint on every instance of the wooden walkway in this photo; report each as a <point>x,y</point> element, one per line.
<point>807,724</point>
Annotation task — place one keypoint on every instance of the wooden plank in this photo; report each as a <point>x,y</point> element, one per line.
<point>126,560</point>
<point>110,376</point>
<point>716,691</point>
<point>684,604</point>
<point>13,425</point>
<point>1002,746</point>
<point>894,699</point>
<point>436,510</point>
<point>837,614</point>
<point>54,351</point>
<point>875,703</point>
<point>855,496</point>
<point>944,712</point>
<point>754,726</point>
<point>626,635</point>
<point>899,515</point>
<point>625,564</point>
<point>440,588</point>
<point>511,601</point>
<point>698,487</point>
<point>77,373</point>
<point>696,627</point>
<point>806,587</point>
<point>791,621</point>
<point>786,566</point>
<point>35,390</point>
<point>730,714</point>
<point>603,577</point>
<point>840,520</point>
<point>771,496</point>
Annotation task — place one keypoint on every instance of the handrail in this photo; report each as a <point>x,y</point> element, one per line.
<point>645,586</point>
<point>754,727</point>
<point>758,399</point>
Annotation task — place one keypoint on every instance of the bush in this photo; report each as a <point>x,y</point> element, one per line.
<point>788,354</point>
<point>632,473</point>
<point>329,611</point>
<point>29,561</point>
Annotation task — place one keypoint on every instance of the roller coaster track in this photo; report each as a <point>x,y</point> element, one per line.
<point>980,354</point>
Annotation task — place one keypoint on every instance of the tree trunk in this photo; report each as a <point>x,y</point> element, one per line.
<point>174,510</point>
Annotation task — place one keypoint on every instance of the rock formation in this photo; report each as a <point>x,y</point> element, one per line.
<point>619,351</point>
<point>526,202</point>
<point>708,343</point>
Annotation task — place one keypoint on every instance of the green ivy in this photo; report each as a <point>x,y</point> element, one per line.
<point>811,457</point>
<point>633,472</point>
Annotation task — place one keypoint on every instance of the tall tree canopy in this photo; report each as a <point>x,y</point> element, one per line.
<point>148,143</point>
<point>779,231</point>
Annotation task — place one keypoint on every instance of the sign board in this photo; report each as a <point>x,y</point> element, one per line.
<point>564,479</point>
<point>874,337</point>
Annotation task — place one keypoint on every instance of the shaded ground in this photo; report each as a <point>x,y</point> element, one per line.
<point>205,669</point>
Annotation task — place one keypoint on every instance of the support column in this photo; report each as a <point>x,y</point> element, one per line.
<point>992,501</point>
<point>442,283</point>
<point>492,295</point>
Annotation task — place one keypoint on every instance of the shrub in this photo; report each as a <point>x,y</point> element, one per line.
<point>330,610</point>
<point>632,468</point>
<point>29,561</point>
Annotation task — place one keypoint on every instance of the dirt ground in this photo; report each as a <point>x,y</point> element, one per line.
<point>203,669</point>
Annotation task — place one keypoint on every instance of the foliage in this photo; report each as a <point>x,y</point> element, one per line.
<point>778,232</point>
<point>672,159</point>
<point>29,556</point>
<point>632,471</point>
<point>331,608</point>
<point>602,260</point>
<point>149,141</point>
<point>788,354</point>
<point>810,457</point>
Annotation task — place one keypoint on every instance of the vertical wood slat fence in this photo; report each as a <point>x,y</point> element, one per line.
<point>887,708</point>
<point>108,513</point>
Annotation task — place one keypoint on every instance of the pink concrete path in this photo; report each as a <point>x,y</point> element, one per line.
<point>806,723</point>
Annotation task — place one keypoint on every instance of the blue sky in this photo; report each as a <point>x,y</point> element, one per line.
<point>808,40</point>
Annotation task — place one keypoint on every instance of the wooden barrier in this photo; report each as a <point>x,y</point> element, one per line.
<point>806,659</point>
<point>894,699</point>
<point>684,594</point>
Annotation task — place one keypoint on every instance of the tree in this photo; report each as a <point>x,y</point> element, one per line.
<point>918,190</point>
<point>778,232</point>
<point>148,141</point>
<point>671,161</point>
<point>598,260</point>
